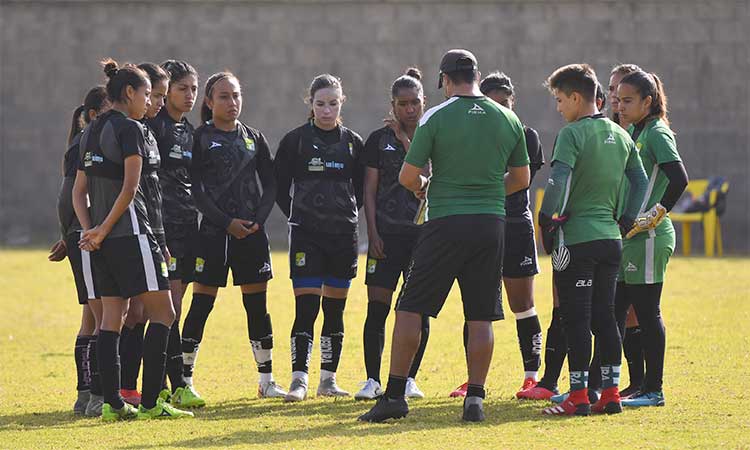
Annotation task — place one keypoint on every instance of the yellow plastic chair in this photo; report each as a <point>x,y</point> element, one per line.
<point>710,219</point>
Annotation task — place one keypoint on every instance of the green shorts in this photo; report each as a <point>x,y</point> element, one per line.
<point>644,259</point>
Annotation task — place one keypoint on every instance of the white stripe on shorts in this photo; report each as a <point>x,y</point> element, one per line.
<point>649,263</point>
<point>148,263</point>
<point>134,219</point>
<point>88,278</point>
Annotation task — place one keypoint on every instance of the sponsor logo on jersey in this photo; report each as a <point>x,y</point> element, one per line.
<point>90,158</point>
<point>389,148</point>
<point>172,263</point>
<point>265,269</point>
<point>164,271</point>
<point>631,267</point>
<point>249,144</point>
<point>199,264</point>
<point>176,152</point>
<point>584,283</point>
<point>334,165</point>
<point>299,259</point>
<point>639,145</point>
<point>476,109</point>
<point>372,264</point>
<point>316,165</point>
<point>610,139</point>
<point>526,261</point>
<point>213,145</point>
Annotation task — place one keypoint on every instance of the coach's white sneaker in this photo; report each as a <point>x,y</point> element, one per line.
<point>329,388</point>
<point>412,391</point>
<point>371,390</point>
<point>297,390</point>
<point>270,390</point>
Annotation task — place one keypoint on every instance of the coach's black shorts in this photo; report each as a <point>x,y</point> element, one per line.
<point>520,248</point>
<point>315,254</point>
<point>587,274</point>
<point>181,242</point>
<point>385,272</point>
<point>128,266</point>
<point>249,259</point>
<point>80,264</point>
<point>465,247</point>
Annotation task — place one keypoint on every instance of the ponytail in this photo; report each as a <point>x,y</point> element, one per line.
<point>96,99</point>
<point>77,125</point>
<point>659,104</point>
<point>649,84</point>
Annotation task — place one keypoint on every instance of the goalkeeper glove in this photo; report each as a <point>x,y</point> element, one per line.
<point>648,220</point>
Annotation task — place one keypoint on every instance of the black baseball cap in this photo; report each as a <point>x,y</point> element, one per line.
<point>456,60</point>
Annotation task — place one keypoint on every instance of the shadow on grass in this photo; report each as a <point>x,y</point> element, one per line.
<point>425,414</point>
<point>48,419</point>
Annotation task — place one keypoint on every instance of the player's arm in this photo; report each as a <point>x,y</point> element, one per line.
<point>678,181</point>
<point>552,203</point>
<point>267,177</point>
<point>518,175</point>
<point>282,166</point>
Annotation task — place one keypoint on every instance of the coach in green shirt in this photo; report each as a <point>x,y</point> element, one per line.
<point>478,154</point>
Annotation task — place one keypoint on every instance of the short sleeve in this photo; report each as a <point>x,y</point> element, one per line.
<point>566,149</point>
<point>371,157</point>
<point>422,145</point>
<point>662,144</point>
<point>534,147</point>
<point>131,139</point>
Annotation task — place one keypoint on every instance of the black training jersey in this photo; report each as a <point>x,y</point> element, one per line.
<point>325,175</point>
<point>175,141</point>
<point>517,203</point>
<point>223,172</point>
<point>150,183</point>
<point>395,206</point>
<point>65,213</point>
<point>105,145</point>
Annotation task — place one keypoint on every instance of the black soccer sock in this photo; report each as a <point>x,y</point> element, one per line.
<point>81,358</point>
<point>154,359</point>
<point>174,358</point>
<point>529,333</point>
<point>595,368</point>
<point>373,337</point>
<point>109,367</point>
<point>259,330</point>
<point>131,353</point>
<point>417,361</point>
<point>332,334</point>
<point>306,311</point>
<point>95,379</point>
<point>396,387</point>
<point>653,333</point>
<point>555,351</point>
<point>632,346</point>
<point>475,390</point>
<point>192,331</point>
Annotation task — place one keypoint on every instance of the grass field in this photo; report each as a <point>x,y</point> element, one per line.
<point>708,358</point>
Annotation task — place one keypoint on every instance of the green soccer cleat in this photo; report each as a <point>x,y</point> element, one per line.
<point>165,395</point>
<point>162,410</point>
<point>110,414</point>
<point>187,397</point>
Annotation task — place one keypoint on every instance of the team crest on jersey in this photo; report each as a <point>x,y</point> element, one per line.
<point>610,139</point>
<point>199,264</point>
<point>249,144</point>
<point>299,259</point>
<point>372,264</point>
<point>639,145</point>
<point>316,165</point>
<point>560,258</point>
<point>164,271</point>
<point>476,109</point>
<point>176,152</point>
<point>172,263</point>
<point>351,149</point>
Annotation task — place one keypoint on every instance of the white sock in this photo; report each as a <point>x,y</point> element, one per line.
<point>265,378</point>
<point>189,381</point>
<point>531,374</point>
<point>526,314</point>
<point>326,374</point>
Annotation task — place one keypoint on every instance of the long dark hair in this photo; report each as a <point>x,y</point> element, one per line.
<point>649,84</point>
<point>323,81</point>
<point>121,77</point>
<point>206,113</point>
<point>411,79</point>
<point>95,99</point>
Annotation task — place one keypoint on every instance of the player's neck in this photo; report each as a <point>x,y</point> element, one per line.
<point>587,110</point>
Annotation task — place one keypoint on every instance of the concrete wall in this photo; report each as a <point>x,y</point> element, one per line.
<point>50,50</point>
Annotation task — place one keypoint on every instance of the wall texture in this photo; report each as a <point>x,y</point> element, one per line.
<point>49,53</point>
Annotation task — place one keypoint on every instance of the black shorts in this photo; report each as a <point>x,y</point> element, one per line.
<point>520,249</point>
<point>128,266</point>
<point>588,273</point>
<point>465,247</point>
<point>80,264</point>
<point>385,272</point>
<point>322,255</point>
<point>249,259</point>
<point>181,242</point>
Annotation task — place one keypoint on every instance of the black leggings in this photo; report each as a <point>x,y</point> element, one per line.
<point>645,299</point>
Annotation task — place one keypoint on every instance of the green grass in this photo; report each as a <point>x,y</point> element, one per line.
<point>706,311</point>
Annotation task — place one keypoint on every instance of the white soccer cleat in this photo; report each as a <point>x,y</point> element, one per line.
<point>329,388</point>
<point>371,390</point>
<point>270,390</point>
<point>297,390</point>
<point>412,390</point>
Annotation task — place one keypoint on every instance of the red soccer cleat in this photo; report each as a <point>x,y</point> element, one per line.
<point>460,391</point>
<point>577,404</point>
<point>528,383</point>
<point>536,392</point>
<point>131,396</point>
<point>609,402</point>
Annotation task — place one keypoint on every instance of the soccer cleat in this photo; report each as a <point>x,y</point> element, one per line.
<point>559,398</point>
<point>166,395</point>
<point>79,407</point>
<point>297,390</point>
<point>386,408</point>
<point>609,402</point>
<point>371,390</point>
<point>645,399</point>
<point>94,408</point>
<point>329,388</point>
<point>412,390</point>
<point>528,383</point>
<point>460,391</point>
<point>537,393</point>
<point>473,409</point>
<point>270,390</point>
<point>127,412</point>
<point>575,405</point>
<point>186,397</point>
<point>630,391</point>
<point>162,410</point>
<point>131,396</point>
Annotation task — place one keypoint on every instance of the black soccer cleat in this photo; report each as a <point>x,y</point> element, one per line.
<point>473,410</point>
<point>386,408</point>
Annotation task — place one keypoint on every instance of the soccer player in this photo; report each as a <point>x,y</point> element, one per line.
<point>615,76</point>
<point>470,141</point>
<point>390,210</point>
<point>578,221</point>
<point>519,261</point>
<point>89,401</point>
<point>127,260</point>
<point>228,159</point>
<point>320,162</point>
<point>174,137</point>
<point>646,253</point>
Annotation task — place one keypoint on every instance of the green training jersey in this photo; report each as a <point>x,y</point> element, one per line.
<point>470,142</point>
<point>599,152</point>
